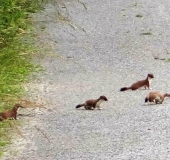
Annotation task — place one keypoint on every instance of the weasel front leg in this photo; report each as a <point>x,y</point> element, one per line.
<point>149,85</point>
<point>15,117</point>
<point>99,107</point>
<point>149,88</point>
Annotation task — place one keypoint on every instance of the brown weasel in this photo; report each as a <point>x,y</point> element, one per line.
<point>156,97</point>
<point>93,103</point>
<point>138,84</point>
<point>11,113</point>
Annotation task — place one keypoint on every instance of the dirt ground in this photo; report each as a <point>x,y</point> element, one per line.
<point>99,47</point>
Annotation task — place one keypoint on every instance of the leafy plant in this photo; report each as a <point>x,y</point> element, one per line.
<point>15,54</point>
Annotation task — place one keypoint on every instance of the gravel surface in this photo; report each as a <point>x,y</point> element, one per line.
<point>106,45</point>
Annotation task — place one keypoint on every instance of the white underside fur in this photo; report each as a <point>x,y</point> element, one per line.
<point>149,79</point>
<point>99,102</point>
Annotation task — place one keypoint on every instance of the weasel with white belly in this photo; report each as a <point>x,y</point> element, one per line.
<point>93,103</point>
<point>142,83</point>
<point>11,113</point>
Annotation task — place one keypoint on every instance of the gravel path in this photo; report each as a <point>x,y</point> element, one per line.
<point>102,49</point>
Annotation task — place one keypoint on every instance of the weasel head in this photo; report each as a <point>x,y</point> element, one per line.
<point>16,106</point>
<point>150,76</point>
<point>103,98</point>
<point>167,95</point>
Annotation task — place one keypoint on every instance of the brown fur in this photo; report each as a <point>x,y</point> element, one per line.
<point>93,103</point>
<point>156,97</point>
<point>11,113</point>
<point>138,84</point>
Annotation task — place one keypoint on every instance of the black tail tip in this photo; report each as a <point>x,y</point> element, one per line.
<point>77,106</point>
<point>123,89</point>
<point>146,100</point>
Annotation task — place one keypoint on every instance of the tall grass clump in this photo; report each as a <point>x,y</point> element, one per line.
<point>16,48</point>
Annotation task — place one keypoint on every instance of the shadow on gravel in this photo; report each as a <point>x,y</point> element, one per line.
<point>26,115</point>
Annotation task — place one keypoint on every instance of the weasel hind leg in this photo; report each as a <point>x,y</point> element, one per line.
<point>88,107</point>
<point>158,100</point>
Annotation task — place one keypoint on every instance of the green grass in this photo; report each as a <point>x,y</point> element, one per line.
<point>139,15</point>
<point>4,135</point>
<point>146,33</point>
<point>2,144</point>
<point>1,154</point>
<point>16,48</point>
<point>42,28</point>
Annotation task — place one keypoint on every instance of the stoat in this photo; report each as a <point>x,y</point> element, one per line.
<point>143,83</point>
<point>93,103</point>
<point>11,113</point>
<point>156,97</point>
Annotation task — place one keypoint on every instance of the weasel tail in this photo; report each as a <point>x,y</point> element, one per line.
<point>146,99</point>
<point>125,88</point>
<point>80,105</point>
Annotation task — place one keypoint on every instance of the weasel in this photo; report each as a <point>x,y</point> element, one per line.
<point>11,113</point>
<point>93,103</point>
<point>156,97</point>
<point>141,83</point>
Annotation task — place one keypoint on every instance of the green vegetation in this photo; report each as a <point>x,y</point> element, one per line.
<point>146,33</point>
<point>16,48</point>
<point>42,28</point>
<point>1,153</point>
<point>139,15</point>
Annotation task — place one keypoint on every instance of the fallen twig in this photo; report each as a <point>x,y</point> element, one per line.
<point>42,133</point>
<point>83,4</point>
